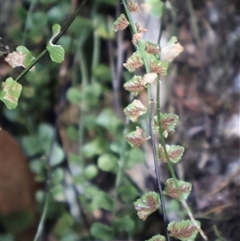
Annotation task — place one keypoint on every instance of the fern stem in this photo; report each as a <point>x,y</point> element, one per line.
<point>150,113</point>
<point>158,174</point>
<point>43,217</point>
<point>122,164</point>
<point>31,65</point>
<point>170,167</point>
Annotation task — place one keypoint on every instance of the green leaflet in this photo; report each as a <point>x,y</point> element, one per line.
<point>184,230</point>
<point>171,189</point>
<point>10,93</point>
<point>147,204</point>
<point>28,55</point>
<point>56,52</point>
<point>157,238</point>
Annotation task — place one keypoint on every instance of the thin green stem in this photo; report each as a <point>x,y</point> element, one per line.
<point>82,108</point>
<point>162,140</point>
<point>43,217</point>
<point>157,172</point>
<point>133,27</point>
<point>218,234</point>
<point>122,161</point>
<point>96,42</point>
<point>190,214</point>
<point>121,165</point>
<point>83,67</point>
<point>31,65</point>
<point>69,22</point>
<point>96,53</point>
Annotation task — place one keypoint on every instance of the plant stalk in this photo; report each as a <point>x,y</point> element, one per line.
<point>150,111</point>
<point>170,167</point>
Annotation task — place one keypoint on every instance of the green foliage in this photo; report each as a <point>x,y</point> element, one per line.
<point>110,2</point>
<point>103,27</point>
<point>172,190</point>
<point>90,171</point>
<point>147,204</point>
<point>156,7</point>
<point>101,231</point>
<point>57,192</point>
<point>124,224</point>
<point>57,13</point>
<point>74,95</point>
<point>108,120</point>
<point>175,207</point>
<point>81,27</point>
<point>28,59</point>
<point>102,73</point>
<point>133,157</point>
<point>10,93</point>
<point>64,225</point>
<point>17,221</point>
<point>6,237</point>
<point>57,175</point>
<point>31,145</point>
<point>134,62</point>
<point>168,122</point>
<point>94,140</point>
<point>45,137</point>
<point>56,52</point>
<point>157,238</point>
<point>96,147</point>
<point>174,153</point>
<point>184,230</point>
<point>47,1</point>
<point>102,200</point>
<point>108,163</point>
<point>37,21</point>
<point>128,192</point>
